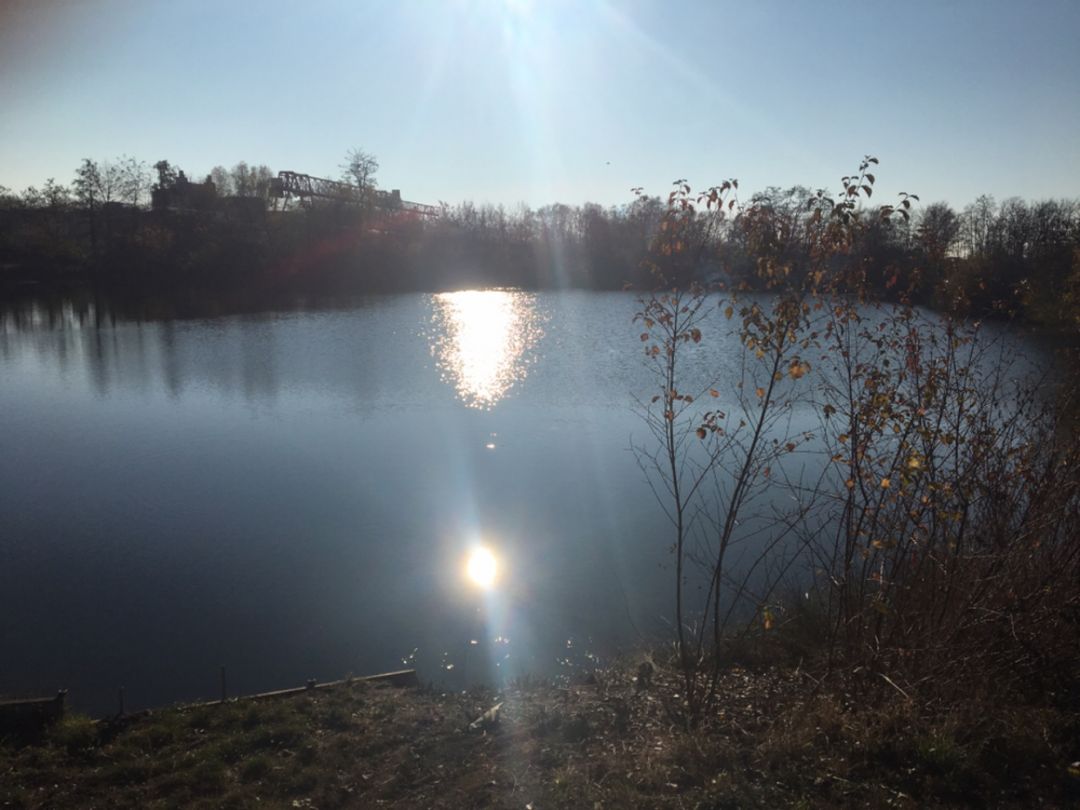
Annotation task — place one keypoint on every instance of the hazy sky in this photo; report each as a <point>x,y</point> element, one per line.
<point>538,101</point>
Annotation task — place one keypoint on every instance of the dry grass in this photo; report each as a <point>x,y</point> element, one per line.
<point>775,740</point>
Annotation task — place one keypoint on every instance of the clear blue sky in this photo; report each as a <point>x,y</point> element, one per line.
<point>554,100</point>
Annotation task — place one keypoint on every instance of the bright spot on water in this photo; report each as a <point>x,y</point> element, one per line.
<point>483,341</point>
<point>481,567</point>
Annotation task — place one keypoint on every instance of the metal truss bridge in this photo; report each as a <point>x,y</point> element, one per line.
<point>305,187</point>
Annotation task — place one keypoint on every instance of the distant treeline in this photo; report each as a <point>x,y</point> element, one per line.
<point>122,225</point>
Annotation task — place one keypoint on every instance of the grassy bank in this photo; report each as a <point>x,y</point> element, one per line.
<point>778,738</point>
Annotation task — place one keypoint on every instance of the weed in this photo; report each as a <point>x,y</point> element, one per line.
<point>76,733</point>
<point>255,768</point>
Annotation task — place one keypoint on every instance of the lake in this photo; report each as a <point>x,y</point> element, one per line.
<point>293,494</point>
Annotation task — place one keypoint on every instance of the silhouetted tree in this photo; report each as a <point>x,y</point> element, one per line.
<point>222,181</point>
<point>56,196</point>
<point>359,169</point>
<point>248,181</point>
<point>937,231</point>
<point>134,180</point>
<point>86,185</point>
<point>166,175</point>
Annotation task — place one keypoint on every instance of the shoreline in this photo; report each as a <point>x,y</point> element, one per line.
<point>778,738</point>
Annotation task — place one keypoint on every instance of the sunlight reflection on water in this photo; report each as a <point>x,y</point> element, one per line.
<point>483,341</point>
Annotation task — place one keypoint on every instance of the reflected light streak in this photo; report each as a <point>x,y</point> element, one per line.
<point>483,340</point>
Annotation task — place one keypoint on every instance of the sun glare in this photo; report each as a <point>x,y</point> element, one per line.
<point>481,567</point>
<point>483,342</point>
<point>520,7</point>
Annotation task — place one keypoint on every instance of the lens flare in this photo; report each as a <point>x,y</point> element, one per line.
<point>481,568</point>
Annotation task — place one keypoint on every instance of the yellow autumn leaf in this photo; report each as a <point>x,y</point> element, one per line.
<point>760,392</point>
<point>885,483</point>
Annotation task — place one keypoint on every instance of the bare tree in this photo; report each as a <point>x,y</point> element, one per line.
<point>134,180</point>
<point>87,184</point>
<point>359,169</point>
<point>243,180</point>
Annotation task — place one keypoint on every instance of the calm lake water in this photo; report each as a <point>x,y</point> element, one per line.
<point>292,495</point>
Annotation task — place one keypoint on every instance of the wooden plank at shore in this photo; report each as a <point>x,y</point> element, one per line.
<point>37,712</point>
<point>405,678</point>
<point>401,678</point>
<point>34,701</point>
